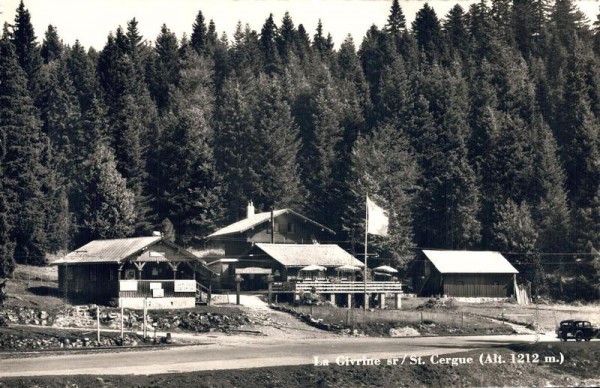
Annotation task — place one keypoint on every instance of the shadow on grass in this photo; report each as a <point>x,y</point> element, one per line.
<point>45,291</point>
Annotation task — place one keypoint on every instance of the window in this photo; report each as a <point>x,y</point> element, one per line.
<point>291,227</point>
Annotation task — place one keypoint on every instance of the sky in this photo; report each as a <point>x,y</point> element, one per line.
<point>90,21</point>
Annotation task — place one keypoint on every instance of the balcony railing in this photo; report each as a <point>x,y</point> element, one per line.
<point>183,288</point>
<point>329,287</point>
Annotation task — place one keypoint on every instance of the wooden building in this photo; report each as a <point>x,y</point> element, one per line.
<point>282,226</point>
<point>286,261</point>
<point>132,271</point>
<point>464,274</point>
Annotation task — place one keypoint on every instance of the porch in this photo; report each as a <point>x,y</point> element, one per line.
<point>155,294</point>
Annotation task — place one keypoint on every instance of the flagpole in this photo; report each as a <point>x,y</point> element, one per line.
<point>366,257</point>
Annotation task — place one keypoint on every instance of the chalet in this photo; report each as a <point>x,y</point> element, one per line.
<point>133,271</point>
<point>288,253</point>
<point>290,262</point>
<point>283,226</point>
<point>464,274</point>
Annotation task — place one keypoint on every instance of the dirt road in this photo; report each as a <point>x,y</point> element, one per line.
<point>246,352</point>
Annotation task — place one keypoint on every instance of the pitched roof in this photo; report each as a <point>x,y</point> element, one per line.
<point>469,262</point>
<point>301,255</point>
<point>257,219</point>
<point>108,251</point>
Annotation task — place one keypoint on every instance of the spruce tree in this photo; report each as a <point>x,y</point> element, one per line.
<point>109,205</point>
<point>427,30</point>
<point>52,46</point>
<point>384,167</point>
<point>396,21</point>
<point>24,172</point>
<point>27,48</point>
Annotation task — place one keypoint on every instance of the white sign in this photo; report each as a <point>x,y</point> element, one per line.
<point>185,286</point>
<point>155,286</point>
<point>158,293</point>
<point>128,285</point>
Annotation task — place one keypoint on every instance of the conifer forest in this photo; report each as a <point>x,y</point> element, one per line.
<point>478,129</point>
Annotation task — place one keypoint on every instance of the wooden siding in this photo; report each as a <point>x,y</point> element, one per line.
<point>477,285</point>
<point>89,283</point>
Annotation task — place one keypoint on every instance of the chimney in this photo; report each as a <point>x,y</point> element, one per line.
<point>250,210</point>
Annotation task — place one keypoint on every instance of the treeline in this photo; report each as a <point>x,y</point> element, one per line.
<point>476,130</point>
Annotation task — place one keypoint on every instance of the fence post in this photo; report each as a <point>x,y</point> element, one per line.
<point>98,322</point>
<point>421,316</point>
<point>348,317</point>
<point>462,323</point>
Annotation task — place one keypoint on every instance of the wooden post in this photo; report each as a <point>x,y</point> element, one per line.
<point>122,323</point>
<point>332,299</point>
<point>98,323</point>
<point>381,301</point>
<point>398,301</point>
<point>349,301</point>
<point>145,321</point>
<point>238,281</point>
<point>270,292</point>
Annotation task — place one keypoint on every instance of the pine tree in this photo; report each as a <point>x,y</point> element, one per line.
<point>24,172</point>
<point>26,48</point>
<point>82,74</point>
<point>427,30</point>
<point>52,47</point>
<point>166,72</point>
<point>191,196</point>
<point>268,44</point>
<point>383,166</point>
<point>515,232</point>
<point>396,21</point>
<point>109,204</point>
<point>199,38</point>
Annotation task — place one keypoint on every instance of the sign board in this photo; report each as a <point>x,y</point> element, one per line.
<point>185,286</point>
<point>158,293</point>
<point>155,286</point>
<point>128,285</point>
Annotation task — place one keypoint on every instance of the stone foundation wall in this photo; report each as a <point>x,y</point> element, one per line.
<point>157,303</point>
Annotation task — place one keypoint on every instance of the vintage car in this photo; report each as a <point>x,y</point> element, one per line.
<point>578,329</point>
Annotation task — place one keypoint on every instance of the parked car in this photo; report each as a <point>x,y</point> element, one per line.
<point>577,329</point>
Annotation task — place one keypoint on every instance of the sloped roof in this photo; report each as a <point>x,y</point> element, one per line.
<point>469,262</point>
<point>301,255</point>
<point>257,219</point>
<point>108,251</point>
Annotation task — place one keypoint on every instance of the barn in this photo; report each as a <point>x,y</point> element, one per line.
<point>464,274</point>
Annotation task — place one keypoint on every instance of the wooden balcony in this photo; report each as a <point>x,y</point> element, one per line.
<point>336,287</point>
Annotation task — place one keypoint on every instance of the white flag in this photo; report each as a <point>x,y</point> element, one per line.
<point>377,219</point>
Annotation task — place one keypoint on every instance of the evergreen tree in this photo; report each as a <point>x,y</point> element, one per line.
<point>199,38</point>
<point>24,172</point>
<point>286,40</point>
<point>109,204</point>
<point>26,48</point>
<point>233,148</point>
<point>427,30</point>
<point>167,230</point>
<point>52,47</point>
<point>166,72</point>
<point>268,44</point>
<point>455,30</point>
<point>396,21</point>
<point>322,45</point>
<point>82,74</point>
<point>515,233</point>
<point>383,166</point>
<point>190,187</point>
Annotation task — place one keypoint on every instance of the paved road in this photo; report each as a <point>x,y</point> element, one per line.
<point>246,352</point>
